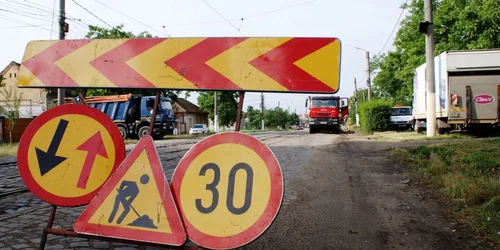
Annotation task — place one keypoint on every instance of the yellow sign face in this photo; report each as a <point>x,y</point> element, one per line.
<point>138,184</point>
<point>136,202</point>
<point>252,201</point>
<point>229,188</point>
<point>68,152</point>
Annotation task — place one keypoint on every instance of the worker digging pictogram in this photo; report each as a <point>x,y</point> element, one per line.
<point>130,190</point>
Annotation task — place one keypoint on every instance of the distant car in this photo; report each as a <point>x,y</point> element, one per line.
<point>198,129</point>
<point>300,127</point>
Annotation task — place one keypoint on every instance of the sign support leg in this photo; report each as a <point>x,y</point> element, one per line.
<point>82,95</point>
<point>238,115</point>
<point>52,215</point>
<point>153,115</point>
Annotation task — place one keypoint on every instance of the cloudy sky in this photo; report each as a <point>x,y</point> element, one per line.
<point>365,24</point>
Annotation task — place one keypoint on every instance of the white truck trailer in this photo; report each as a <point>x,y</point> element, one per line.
<point>467,87</point>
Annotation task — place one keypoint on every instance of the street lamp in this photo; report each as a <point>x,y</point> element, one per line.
<point>368,81</point>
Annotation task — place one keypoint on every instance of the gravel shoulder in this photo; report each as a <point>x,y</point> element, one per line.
<point>351,194</point>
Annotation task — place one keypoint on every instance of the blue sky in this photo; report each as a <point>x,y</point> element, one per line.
<point>365,24</point>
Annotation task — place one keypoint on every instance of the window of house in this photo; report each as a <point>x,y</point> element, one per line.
<point>197,120</point>
<point>15,75</point>
<point>10,75</point>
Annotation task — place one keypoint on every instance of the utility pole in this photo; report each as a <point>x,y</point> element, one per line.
<point>427,28</point>
<point>278,104</point>
<point>262,108</point>
<point>356,102</point>
<point>368,79</point>
<point>62,35</point>
<point>216,119</point>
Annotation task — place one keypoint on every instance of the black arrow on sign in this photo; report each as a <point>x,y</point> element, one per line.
<point>48,160</point>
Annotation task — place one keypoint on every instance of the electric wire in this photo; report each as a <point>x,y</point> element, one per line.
<point>165,33</point>
<point>395,26</point>
<point>93,14</point>
<point>223,17</point>
<point>53,18</point>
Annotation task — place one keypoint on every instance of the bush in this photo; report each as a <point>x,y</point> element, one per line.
<point>375,115</point>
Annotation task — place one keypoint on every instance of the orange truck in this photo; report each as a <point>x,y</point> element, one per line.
<point>327,113</point>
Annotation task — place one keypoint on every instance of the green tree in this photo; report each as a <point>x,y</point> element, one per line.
<point>227,106</point>
<point>254,117</point>
<point>96,32</point>
<point>278,117</point>
<point>11,108</point>
<point>458,25</point>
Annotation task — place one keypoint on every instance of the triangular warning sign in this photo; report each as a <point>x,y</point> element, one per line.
<point>135,203</point>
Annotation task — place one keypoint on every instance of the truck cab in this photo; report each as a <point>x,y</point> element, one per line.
<point>133,114</point>
<point>164,122</point>
<point>324,113</point>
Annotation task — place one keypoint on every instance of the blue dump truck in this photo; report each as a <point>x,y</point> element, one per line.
<point>132,114</point>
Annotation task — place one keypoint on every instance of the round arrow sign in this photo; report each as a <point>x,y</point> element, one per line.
<point>67,153</point>
<point>229,189</point>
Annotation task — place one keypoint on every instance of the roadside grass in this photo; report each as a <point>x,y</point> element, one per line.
<point>468,175</point>
<point>403,136</point>
<point>7,149</point>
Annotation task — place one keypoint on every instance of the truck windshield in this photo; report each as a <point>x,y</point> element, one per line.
<point>401,111</point>
<point>324,103</point>
<point>165,105</point>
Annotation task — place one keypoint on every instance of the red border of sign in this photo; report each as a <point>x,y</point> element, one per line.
<point>32,129</point>
<point>269,214</point>
<point>178,235</point>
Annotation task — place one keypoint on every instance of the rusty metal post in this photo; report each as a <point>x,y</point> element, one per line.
<point>153,116</point>
<point>238,115</point>
<point>82,95</point>
<point>72,233</point>
<point>52,215</point>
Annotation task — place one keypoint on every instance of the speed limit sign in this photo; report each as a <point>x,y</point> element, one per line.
<point>229,189</point>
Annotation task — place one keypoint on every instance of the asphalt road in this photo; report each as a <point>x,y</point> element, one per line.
<point>341,192</point>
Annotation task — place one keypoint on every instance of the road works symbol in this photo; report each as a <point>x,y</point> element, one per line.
<point>68,152</point>
<point>136,202</point>
<point>229,189</point>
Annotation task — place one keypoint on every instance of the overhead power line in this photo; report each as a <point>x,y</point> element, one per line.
<point>93,14</point>
<point>394,29</point>
<point>53,18</point>
<point>280,9</point>
<point>223,17</point>
<point>134,19</point>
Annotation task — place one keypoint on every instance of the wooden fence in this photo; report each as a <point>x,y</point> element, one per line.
<point>20,125</point>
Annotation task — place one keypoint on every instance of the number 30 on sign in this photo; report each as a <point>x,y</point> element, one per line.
<point>229,189</point>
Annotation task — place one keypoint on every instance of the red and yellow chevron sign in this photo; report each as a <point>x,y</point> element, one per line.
<point>300,65</point>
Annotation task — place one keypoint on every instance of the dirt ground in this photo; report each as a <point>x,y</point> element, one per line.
<point>349,193</point>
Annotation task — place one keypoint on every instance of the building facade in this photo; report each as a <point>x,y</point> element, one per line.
<point>33,100</point>
<point>188,114</point>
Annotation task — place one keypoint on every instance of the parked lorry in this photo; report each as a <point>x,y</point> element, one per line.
<point>326,113</point>
<point>132,114</point>
<point>467,87</point>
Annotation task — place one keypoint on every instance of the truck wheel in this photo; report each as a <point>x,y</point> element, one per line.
<point>143,131</point>
<point>134,112</point>
<point>123,131</point>
<point>158,136</point>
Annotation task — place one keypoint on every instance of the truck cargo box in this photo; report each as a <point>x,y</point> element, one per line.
<point>467,85</point>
